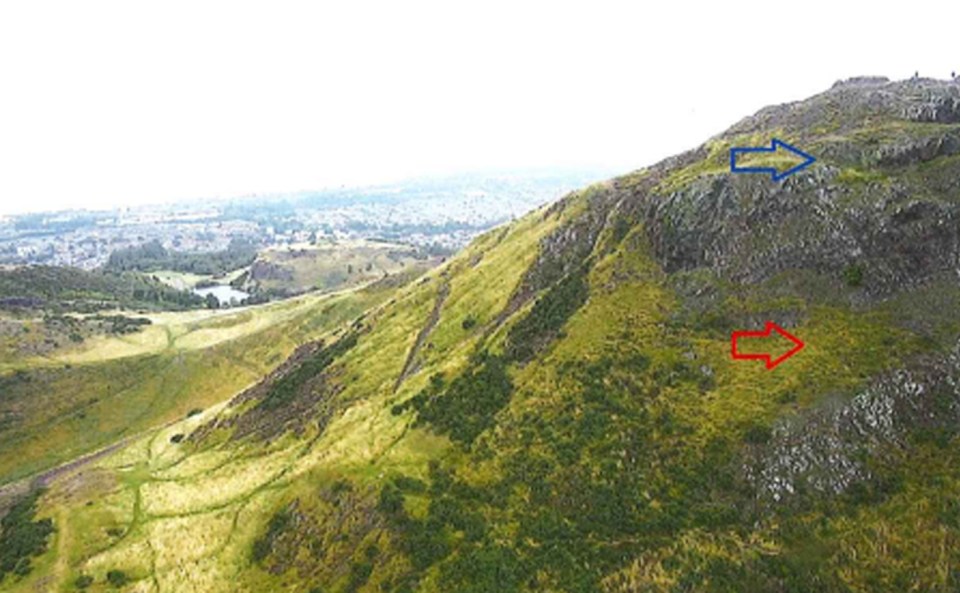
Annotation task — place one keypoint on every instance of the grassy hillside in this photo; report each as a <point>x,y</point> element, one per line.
<point>328,265</point>
<point>70,402</point>
<point>556,408</point>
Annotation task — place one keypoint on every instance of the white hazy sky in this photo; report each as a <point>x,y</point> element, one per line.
<point>108,103</point>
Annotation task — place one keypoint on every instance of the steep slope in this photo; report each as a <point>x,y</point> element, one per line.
<point>556,408</point>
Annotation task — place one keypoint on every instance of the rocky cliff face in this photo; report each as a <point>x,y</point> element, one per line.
<point>827,451</point>
<point>877,204</point>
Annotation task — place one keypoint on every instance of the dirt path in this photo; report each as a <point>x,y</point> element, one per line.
<point>410,365</point>
<point>61,568</point>
<point>45,478</point>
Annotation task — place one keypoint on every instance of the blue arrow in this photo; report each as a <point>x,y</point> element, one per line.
<point>774,174</point>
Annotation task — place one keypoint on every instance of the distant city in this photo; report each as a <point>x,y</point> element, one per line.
<point>440,214</point>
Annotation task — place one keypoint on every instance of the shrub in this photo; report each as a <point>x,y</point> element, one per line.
<point>787,397</point>
<point>391,500</point>
<point>359,574</point>
<point>758,434</point>
<point>469,405</point>
<point>22,538</point>
<point>487,567</point>
<point>83,581</point>
<point>853,275</point>
<point>117,578</point>
<point>408,484</point>
<point>547,316</point>
<point>262,546</point>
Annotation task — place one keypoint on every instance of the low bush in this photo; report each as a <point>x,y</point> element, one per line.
<point>117,578</point>
<point>22,538</point>
<point>83,581</point>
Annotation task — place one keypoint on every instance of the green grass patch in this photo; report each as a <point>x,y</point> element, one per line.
<point>851,176</point>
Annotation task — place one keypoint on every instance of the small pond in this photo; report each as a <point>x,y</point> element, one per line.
<point>224,293</point>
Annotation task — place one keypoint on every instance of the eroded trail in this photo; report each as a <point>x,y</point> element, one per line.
<point>46,477</point>
<point>410,364</point>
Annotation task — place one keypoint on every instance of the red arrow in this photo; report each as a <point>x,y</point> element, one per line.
<point>766,358</point>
